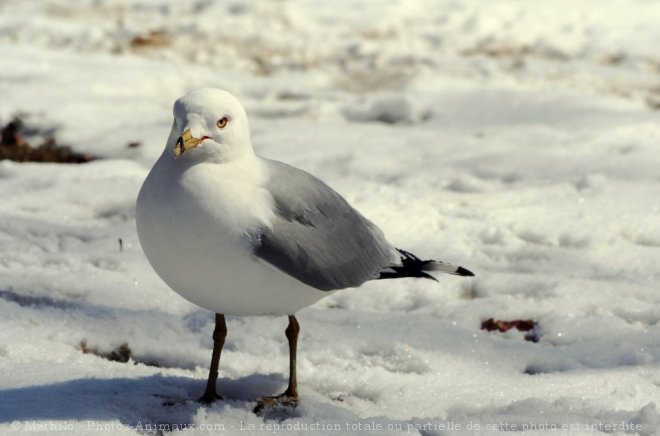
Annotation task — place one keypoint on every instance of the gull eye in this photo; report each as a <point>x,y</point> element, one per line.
<point>222,122</point>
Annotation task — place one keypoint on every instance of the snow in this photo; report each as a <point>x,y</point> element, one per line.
<point>519,141</point>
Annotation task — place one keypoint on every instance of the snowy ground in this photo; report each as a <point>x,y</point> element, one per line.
<point>517,139</point>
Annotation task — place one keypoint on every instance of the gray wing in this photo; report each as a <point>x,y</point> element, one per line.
<point>317,237</point>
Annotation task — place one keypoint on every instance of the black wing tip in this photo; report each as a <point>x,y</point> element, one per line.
<point>460,271</point>
<point>413,266</point>
<point>428,276</point>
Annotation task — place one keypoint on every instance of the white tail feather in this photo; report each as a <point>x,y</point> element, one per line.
<point>446,268</point>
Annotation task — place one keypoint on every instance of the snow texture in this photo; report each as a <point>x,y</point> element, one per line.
<point>519,139</point>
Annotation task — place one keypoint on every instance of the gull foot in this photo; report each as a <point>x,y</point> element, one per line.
<point>282,400</point>
<point>209,398</point>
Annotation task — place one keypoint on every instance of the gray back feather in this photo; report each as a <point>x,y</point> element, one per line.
<point>317,237</point>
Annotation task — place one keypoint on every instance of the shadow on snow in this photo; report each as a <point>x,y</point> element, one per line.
<point>153,399</point>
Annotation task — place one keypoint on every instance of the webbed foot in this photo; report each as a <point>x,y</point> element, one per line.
<point>209,398</point>
<point>283,400</point>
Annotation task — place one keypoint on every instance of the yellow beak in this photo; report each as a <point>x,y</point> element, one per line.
<point>186,142</point>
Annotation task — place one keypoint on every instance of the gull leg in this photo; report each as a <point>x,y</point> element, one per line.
<point>219,334</point>
<point>290,396</point>
<point>291,332</point>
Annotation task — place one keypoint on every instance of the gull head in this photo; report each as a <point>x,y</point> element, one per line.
<point>210,124</point>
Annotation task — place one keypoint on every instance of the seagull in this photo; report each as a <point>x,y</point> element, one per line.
<point>243,235</point>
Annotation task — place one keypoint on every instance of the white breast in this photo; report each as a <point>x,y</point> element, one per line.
<point>196,224</point>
